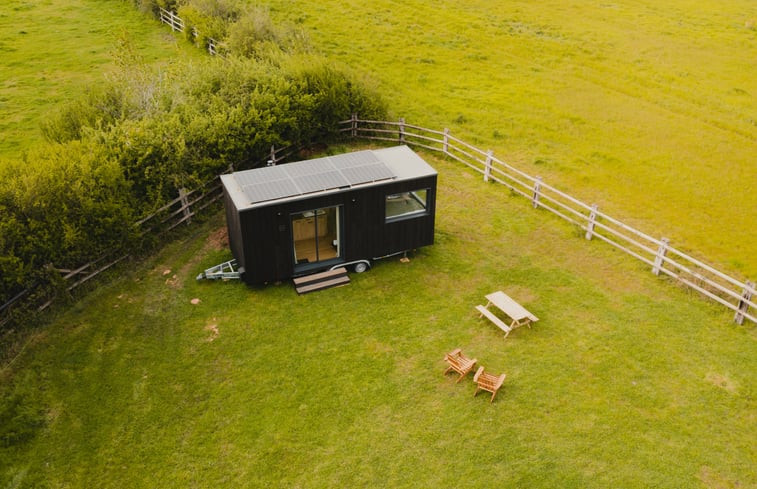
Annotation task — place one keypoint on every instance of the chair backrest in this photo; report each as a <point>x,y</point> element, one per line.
<point>459,362</point>
<point>488,381</point>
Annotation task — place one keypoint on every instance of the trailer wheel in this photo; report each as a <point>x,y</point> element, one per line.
<point>360,267</point>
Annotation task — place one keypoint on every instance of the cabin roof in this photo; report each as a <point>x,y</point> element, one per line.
<point>308,178</point>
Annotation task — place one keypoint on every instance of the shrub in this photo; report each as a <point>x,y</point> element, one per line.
<point>63,204</point>
<point>124,150</point>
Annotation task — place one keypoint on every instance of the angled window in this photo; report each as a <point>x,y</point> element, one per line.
<point>406,204</point>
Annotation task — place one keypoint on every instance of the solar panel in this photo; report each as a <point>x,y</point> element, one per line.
<point>323,181</point>
<point>367,173</point>
<point>309,167</point>
<point>278,189</point>
<point>304,177</point>
<point>350,160</point>
<point>261,175</point>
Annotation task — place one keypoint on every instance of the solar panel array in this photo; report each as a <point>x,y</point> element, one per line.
<point>305,177</point>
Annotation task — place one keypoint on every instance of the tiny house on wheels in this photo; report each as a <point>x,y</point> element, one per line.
<point>339,211</point>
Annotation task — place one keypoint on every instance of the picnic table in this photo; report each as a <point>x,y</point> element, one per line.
<point>518,314</point>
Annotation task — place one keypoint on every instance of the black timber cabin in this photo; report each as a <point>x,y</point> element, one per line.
<point>304,217</point>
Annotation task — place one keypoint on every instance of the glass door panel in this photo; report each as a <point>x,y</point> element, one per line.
<point>316,235</point>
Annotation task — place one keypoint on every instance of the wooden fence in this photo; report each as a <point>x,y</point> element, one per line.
<point>658,254</point>
<point>177,25</point>
<point>176,212</point>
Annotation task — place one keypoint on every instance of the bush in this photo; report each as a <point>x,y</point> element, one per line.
<point>63,204</point>
<point>124,150</point>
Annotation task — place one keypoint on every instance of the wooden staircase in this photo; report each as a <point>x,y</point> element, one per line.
<point>320,281</point>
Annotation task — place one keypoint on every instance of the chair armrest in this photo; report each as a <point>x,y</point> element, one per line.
<point>478,373</point>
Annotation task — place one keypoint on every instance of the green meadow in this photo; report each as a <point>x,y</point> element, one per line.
<point>647,109</point>
<point>626,380</point>
<point>52,50</point>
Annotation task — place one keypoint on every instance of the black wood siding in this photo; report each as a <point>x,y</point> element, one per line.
<point>262,236</point>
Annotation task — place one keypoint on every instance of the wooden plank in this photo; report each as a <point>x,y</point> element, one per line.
<point>494,319</point>
<point>509,306</point>
<point>319,276</point>
<point>342,280</point>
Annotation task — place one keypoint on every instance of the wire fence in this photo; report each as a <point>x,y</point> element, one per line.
<point>658,254</point>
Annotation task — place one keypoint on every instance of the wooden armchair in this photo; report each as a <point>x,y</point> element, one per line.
<point>487,382</point>
<point>459,363</point>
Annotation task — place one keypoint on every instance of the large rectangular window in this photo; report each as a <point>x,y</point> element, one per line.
<point>406,204</point>
<point>316,235</point>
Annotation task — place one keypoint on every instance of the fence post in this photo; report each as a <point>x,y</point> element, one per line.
<point>402,130</point>
<point>746,295</point>
<point>273,155</point>
<point>658,259</point>
<point>488,166</point>
<point>537,193</point>
<point>445,146</point>
<point>592,220</point>
<point>185,205</point>
<point>354,125</point>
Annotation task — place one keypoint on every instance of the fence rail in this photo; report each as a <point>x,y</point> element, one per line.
<point>177,25</point>
<point>658,254</point>
<point>176,212</point>
<point>738,296</point>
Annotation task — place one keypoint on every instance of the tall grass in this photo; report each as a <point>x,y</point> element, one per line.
<point>52,49</point>
<point>647,109</point>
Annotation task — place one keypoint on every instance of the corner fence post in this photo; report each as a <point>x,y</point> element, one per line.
<point>402,130</point>
<point>445,144</point>
<point>592,220</point>
<point>659,257</point>
<point>273,155</point>
<point>185,205</point>
<point>743,307</point>
<point>354,125</point>
<point>488,166</point>
<point>537,193</point>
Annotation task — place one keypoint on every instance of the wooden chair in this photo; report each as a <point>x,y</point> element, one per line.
<point>487,382</point>
<point>459,363</point>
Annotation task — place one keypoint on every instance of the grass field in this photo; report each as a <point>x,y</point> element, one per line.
<point>647,109</point>
<point>626,381</point>
<point>53,49</point>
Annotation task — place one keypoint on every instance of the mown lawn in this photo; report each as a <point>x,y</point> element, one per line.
<point>626,381</point>
<point>648,109</point>
<point>52,50</point>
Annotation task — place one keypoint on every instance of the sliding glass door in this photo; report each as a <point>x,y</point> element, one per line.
<point>316,235</point>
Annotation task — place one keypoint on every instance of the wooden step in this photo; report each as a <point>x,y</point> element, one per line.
<point>315,277</point>
<point>320,281</point>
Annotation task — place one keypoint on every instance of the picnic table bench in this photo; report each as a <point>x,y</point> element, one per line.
<point>518,314</point>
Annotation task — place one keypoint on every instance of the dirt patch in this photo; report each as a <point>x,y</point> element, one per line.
<point>721,381</point>
<point>173,282</point>
<point>212,328</point>
<point>218,239</point>
<point>713,480</point>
